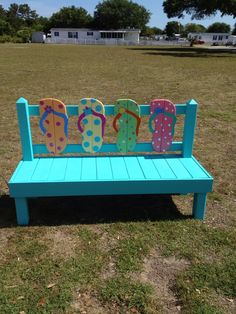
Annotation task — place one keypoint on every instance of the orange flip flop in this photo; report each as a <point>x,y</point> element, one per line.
<point>54,124</point>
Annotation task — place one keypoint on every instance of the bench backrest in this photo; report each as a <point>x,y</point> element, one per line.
<point>29,149</point>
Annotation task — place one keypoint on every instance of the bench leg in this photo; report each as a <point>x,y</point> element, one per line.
<point>199,205</point>
<point>22,212</point>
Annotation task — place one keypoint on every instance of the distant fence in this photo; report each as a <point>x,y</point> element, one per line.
<point>116,42</point>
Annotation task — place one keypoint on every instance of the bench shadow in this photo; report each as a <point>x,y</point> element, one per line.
<point>186,52</point>
<point>92,210</point>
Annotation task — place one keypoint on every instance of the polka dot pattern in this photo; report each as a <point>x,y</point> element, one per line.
<point>83,102</point>
<point>97,122</point>
<point>162,136</point>
<point>54,123</point>
<point>98,108</point>
<point>89,133</point>
<point>126,137</point>
<point>97,139</point>
<point>92,125</point>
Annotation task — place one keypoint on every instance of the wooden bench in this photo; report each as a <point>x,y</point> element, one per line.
<point>108,172</point>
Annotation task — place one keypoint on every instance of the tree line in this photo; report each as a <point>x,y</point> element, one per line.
<point>19,21</point>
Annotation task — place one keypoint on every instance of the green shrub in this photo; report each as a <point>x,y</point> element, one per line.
<point>10,39</point>
<point>24,34</point>
<point>5,38</point>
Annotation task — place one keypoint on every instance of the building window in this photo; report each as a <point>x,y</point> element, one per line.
<point>215,37</point>
<point>220,37</point>
<point>226,37</point>
<point>89,33</point>
<point>56,34</point>
<point>109,35</point>
<point>72,34</point>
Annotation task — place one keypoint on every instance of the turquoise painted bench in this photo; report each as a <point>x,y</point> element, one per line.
<point>108,172</point>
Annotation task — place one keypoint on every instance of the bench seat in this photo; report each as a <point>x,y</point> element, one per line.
<point>106,175</point>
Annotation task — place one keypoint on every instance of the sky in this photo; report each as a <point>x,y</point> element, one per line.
<point>158,17</point>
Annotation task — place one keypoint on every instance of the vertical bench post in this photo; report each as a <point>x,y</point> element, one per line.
<point>25,131</point>
<point>199,205</point>
<point>22,212</point>
<point>189,127</point>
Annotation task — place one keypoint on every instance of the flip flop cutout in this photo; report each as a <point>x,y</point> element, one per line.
<point>163,114</point>
<point>91,124</point>
<point>54,124</point>
<point>128,115</point>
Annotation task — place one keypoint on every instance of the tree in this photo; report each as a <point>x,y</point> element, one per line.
<point>218,28</point>
<point>118,14</point>
<point>19,16</point>
<point>157,31</point>
<point>3,13</point>
<point>151,31</point>
<point>70,17</point>
<point>199,8</point>
<point>26,14</point>
<point>41,24</point>
<point>12,16</point>
<point>234,30</point>
<point>173,28</point>
<point>5,28</point>
<point>193,28</point>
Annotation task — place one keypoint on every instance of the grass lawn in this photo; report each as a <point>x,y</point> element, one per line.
<point>144,255</point>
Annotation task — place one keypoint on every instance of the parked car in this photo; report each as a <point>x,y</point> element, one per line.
<point>199,42</point>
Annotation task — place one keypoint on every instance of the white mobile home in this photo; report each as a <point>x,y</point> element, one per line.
<point>82,35</point>
<point>210,38</point>
<point>232,40</point>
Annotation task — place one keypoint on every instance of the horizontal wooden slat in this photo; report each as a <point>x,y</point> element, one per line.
<point>42,170</point>
<point>178,169</point>
<point>193,168</point>
<point>72,110</point>
<point>116,187</point>
<point>58,169</point>
<point>25,171</point>
<point>106,148</point>
<point>104,171</point>
<point>74,169</point>
<point>119,169</point>
<point>133,168</point>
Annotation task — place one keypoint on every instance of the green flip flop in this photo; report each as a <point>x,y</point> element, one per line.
<point>127,113</point>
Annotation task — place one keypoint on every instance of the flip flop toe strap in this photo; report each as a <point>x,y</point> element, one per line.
<point>48,111</point>
<point>168,114</point>
<point>118,116</point>
<point>90,111</point>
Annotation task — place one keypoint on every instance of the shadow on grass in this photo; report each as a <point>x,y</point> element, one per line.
<point>187,52</point>
<point>92,210</point>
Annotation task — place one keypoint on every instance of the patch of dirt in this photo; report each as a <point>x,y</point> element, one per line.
<point>62,244</point>
<point>107,242</point>
<point>161,273</point>
<point>109,270</point>
<point>228,305</point>
<point>88,303</point>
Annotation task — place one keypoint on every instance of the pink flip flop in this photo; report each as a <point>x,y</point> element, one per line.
<point>163,113</point>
